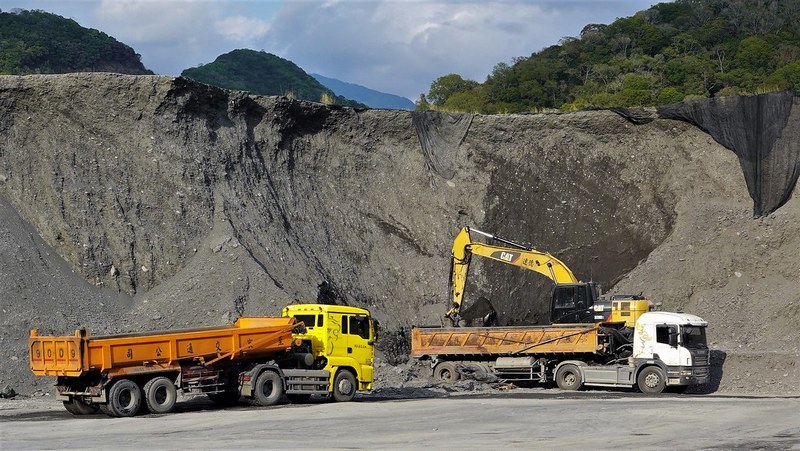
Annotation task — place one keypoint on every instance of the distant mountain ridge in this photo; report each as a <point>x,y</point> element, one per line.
<point>370,97</point>
<point>263,73</point>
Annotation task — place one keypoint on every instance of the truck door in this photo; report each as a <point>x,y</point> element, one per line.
<point>360,347</point>
<point>350,336</point>
<point>358,333</point>
<point>337,335</point>
<point>666,344</point>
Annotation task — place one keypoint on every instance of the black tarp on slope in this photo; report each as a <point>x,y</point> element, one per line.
<point>440,135</point>
<point>763,131</point>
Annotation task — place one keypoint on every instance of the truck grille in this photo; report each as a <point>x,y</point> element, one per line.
<point>700,357</point>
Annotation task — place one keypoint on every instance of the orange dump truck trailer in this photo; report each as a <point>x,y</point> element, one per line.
<point>663,350</point>
<point>261,358</point>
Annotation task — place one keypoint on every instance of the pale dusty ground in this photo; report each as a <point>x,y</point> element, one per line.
<point>542,419</point>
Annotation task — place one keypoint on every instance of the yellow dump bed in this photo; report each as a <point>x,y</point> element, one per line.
<point>157,351</point>
<point>493,341</point>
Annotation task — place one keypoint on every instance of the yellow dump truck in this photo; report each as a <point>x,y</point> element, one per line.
<point>311,349</point>
<point>663,350</point>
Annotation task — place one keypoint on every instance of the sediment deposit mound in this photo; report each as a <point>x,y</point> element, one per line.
<point>130,203</point>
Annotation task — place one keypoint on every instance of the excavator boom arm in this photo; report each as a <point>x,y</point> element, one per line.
<point>512,254</point>
<point>541,262</point>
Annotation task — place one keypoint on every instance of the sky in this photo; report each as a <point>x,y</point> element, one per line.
<point>397,46</point>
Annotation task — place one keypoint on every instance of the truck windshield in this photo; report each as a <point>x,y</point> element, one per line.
<point>694,337</point>
<point>308,320</point>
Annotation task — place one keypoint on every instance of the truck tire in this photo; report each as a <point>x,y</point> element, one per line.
<point>651,380</point>
<point>124,398</point>
<point>568,377</point>
<point>77,407</point>
<point>106,410</point>
<point>268,389</point>
<point>226,399</point>
<point>344,386</point>
<point>446,372</point>
<point>160,394</point>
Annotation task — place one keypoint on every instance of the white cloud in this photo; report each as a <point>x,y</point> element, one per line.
<point>401,47</point>
<point>174,35</point>
<point>148,21</point>
<point>242,29</point>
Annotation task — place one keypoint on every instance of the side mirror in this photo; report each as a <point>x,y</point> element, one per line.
<point>673,337</point>
<point>375,329</point>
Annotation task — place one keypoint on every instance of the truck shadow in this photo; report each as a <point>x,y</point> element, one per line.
<point>397,394</point>
<point>201,403</point>
<point>716,369</point>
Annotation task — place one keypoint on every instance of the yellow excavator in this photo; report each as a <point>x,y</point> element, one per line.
<point>573,301</point>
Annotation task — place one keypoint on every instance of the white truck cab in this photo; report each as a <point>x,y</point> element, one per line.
<point>669,350</point>
<point>676,342</point>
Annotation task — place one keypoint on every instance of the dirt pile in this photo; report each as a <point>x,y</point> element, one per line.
<point>200,205</point>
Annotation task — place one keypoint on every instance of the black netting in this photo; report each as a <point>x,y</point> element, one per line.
<point>636,116</point>
<point>440,135</point>
<point>763,131</point>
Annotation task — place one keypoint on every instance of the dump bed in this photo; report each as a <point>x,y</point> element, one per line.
<point>497,341</point>
<point>135,353</point>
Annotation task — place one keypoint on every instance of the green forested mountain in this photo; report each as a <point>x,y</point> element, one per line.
<point>668,53</point>
<point>266,74</point>
<point>44,43</point>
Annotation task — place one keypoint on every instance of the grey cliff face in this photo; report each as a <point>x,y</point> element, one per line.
<point>194,204</point>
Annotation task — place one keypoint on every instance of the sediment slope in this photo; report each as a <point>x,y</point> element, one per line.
<point>203,204</point>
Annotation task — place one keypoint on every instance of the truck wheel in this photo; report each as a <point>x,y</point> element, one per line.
<point>298,398</point>
<point>568,377</point>
<point>651,380</point>
<point>226,398</point>
<point>344,386</point>
<point>446,372</point>
<point>106,410</point>
<point>160,394</point>
<point>124,398</point>
<point>268,389</point>
<point>77,407</point>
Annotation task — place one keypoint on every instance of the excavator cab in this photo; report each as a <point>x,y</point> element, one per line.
<point>581,303</point>
<point>577,303</point>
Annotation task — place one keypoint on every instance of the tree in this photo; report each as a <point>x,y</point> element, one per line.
<point>669,95</point>
<point>422,104</point>
<point>755,54</point>
<point>502,84</point>
<point>444,87</point>
<point>671,52</point>
<point>326,98</point>
<point>473,101</point>
<point>637,90</point>
<point>787,77</point>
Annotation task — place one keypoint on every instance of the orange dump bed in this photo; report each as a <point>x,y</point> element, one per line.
<point>525,340</point>
<point>157,351</point>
